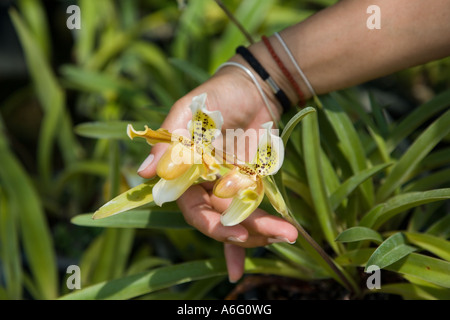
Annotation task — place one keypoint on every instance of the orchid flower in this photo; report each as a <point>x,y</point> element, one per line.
<point>248,183</point>
<point>192,157</point>
<point>187,159</point>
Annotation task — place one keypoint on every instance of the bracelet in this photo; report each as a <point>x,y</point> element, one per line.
<point>313,93</point>
<point>284,70</point>
<point>255,81</point>
<point>254,63</point>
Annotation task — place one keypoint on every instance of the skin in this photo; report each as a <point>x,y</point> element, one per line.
<point>335,50</point>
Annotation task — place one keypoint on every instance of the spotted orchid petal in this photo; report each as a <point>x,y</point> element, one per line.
<point>170,190</point>
<point>243,204</point>
<point>270,154</point>
<point>205,125</point>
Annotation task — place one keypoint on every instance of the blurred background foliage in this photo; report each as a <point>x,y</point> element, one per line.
<point>65,99</point>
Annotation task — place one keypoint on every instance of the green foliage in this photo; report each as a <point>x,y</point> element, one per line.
<point>370,188</point>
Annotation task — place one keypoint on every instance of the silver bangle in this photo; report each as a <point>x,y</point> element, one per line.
<point>255,81</point>
<point>295,64</point>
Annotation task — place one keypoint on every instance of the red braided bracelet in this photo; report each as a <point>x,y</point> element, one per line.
<point>284,70</point>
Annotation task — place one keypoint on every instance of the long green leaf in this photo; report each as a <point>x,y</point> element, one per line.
<point>424,267</point>
<point>418,117</point>
<point>390,251</point>
<point>418,150</point>
<point>438,246</point>
<point>349,143</point>
<point>56,123</point>
<point>383,212</point>
<point>295,120</point>
<point>311,146</point>
<point>143,283</point>
<point>10,248</point>
<point>411,291</point>
<point>140,219</point>
<point>416,265</point>
<point>346,188</point>
<point>34,230</point>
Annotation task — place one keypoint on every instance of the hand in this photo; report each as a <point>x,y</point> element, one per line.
<point>232,93</point>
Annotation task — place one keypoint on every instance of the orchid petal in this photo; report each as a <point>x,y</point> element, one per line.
<point>170,190</point>
<point>243,205</point>
<point>270,154</point>
<point>205,125</point>
<point>152,136</point>
<point>231,183</point>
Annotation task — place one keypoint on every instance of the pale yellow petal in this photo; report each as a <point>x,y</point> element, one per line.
<point>242,206</point>
<point>170,190</point>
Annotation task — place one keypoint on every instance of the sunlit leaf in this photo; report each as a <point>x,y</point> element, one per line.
<point>390,251</point>
<point>133,198</point>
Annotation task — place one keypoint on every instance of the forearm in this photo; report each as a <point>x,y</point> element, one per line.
<point>336,49</point>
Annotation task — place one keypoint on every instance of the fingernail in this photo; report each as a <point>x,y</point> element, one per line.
<point>146,163</point>
<point>232,280</point>
<point>235,239</point>
<point>279,239</point>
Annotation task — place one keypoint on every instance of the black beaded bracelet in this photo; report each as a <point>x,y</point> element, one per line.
<point>254,63</point>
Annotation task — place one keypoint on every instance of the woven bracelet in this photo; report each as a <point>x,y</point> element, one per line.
<point>254,63</point>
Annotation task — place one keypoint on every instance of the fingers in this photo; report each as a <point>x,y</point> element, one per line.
<point>262,227</point>
<point>198,212</point>
<point>235,257</point>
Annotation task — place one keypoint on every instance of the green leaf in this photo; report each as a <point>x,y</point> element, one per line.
<point>157,279</point>
<point>295,120</point>
<point>140,219</point>
<point>439,247</point>
<point>359,234</point>
<point>346,188</point>
<point>50,95</point>
<point>414,265</point>
<point>411,291</point>
<point>133,198</point>
<point>424,267</point>
<point>34,230</point>
<point>418,117</point>
<point>196,73</point>
<point>113,255</point>
<point>34,14</point>
<point>349,143</point>
<point>385,211</point>
<point>390,251</point>
<point>10,248</point>
<point>311,146</point>
<point>354,258</point>
<point>251,14</point>
<point>431,181</point>
<point>294,254</point>
<point>416,152</point>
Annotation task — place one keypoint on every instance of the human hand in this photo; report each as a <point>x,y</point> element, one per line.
<point>236,97</point>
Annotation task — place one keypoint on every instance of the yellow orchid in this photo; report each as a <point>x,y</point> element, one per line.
<point>191,157</point>
<point>248,183</point>
<point>187,159</point>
